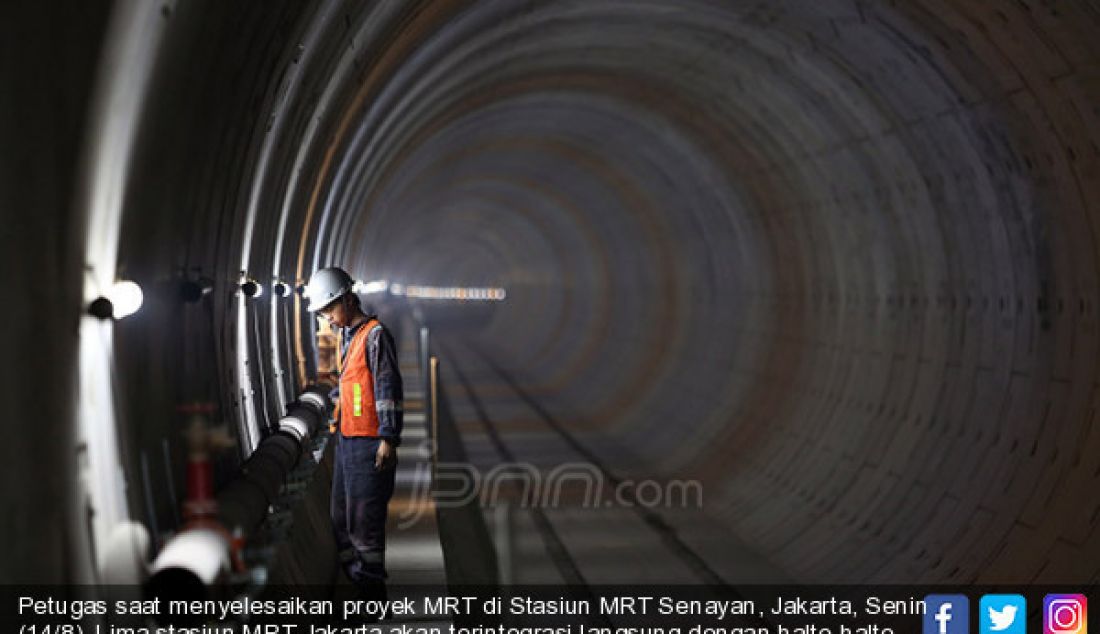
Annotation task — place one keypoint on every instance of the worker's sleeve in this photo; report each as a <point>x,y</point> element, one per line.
<point>334,393</point>
<point>388,390</point>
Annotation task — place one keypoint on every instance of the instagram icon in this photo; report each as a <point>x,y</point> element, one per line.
<point>1065,614</point>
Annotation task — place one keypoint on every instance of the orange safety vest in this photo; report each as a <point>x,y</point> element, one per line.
<point>355,410</point>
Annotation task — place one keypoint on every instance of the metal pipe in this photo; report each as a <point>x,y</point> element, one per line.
<point>198,556</point>
<point>190,563</point>
<point>316,396</point>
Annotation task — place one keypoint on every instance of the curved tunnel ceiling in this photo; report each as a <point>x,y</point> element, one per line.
<point>819,255</point>
<point>835,260</point>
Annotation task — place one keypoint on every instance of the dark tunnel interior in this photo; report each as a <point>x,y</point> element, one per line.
<point>835,261</point>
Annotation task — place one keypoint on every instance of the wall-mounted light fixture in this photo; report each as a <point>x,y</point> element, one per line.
<point>369,288</point>
<point>123,299</point>
<point>194,290</point>
<point>250,288</point>
<point>457,293</point>
<point>280,288</point>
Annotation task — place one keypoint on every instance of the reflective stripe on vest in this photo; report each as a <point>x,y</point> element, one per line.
<point>358,416</point>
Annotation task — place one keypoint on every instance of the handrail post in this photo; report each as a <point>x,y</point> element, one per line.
<point>433,411</point>
<point>424,361</point>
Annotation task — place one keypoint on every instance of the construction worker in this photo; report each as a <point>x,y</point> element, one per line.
<point>368,429</point>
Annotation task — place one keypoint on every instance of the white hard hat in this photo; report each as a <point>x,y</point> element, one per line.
<point>326,286</point>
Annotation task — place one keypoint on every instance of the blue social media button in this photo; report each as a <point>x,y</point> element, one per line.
<point>1002,614</point>
<point>946,614</point>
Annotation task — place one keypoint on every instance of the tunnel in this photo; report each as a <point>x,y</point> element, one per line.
<point>825,272</point>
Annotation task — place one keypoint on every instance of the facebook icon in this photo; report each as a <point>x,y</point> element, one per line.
<point>946,614</point>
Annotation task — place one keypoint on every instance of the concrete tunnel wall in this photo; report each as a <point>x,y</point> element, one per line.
<point>834,259</point>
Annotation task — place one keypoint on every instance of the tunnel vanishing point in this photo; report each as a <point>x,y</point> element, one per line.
<point>836,261</point>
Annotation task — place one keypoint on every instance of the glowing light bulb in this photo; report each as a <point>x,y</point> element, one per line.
<point>126,298</point>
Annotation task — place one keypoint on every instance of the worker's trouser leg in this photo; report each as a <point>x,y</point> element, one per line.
<point>360,495</point>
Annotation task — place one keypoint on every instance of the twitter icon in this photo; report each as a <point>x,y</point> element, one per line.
<point>1002,614</point>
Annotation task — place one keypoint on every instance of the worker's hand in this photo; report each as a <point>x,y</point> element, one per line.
<point>385,456</point>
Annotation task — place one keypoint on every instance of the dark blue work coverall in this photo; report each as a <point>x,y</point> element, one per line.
<point>360,491</point>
